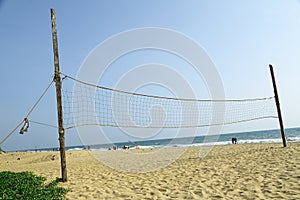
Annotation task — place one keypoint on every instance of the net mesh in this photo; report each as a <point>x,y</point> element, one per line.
<point>89,104</point>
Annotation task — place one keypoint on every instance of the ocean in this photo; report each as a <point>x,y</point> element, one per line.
<point>265,136</point>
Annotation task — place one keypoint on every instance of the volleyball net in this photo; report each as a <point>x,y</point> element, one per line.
<point>92,105</point>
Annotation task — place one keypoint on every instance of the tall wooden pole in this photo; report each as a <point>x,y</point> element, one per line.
<point>278,107</point>
<point>57,79</point>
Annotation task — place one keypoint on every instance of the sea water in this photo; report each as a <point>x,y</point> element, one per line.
<point>265,136</point>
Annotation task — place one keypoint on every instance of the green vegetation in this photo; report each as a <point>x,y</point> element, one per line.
<point>1,151</point>
<point>27,186</point>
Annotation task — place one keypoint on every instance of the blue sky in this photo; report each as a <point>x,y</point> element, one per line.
<point>241,37</point>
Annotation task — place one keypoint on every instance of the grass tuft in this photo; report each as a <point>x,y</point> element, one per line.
<point>27,186</point>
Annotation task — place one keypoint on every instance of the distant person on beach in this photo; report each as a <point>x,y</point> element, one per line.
<point>234,140</point>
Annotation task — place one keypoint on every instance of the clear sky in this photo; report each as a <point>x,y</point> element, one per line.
<point>241,37</point>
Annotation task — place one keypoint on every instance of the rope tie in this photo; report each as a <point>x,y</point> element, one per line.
<point>25,127</point>
<point>26,121</point>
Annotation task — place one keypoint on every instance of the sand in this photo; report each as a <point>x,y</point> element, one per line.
<point>248,171</point>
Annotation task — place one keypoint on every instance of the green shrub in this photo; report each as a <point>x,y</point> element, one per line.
<point>27,186</point>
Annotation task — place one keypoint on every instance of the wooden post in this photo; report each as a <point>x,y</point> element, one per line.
<point>57,79</point>
<point>278,107</point>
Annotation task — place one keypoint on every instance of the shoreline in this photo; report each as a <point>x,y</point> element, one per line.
<point>257,171</point>
<point>120,147</point>
<point>265,136</point>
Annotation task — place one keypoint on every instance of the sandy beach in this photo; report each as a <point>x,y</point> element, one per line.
<point>248,171</point>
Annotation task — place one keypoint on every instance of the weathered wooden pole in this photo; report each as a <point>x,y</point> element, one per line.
<point>57,79</point>
<point>278,107</point>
